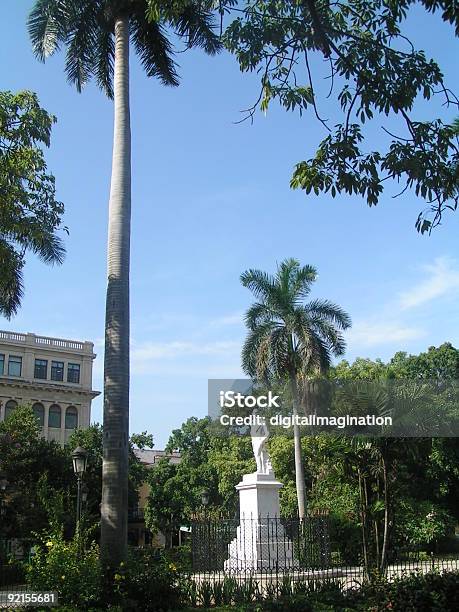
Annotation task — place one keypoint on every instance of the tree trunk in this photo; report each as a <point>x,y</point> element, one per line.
<point>116,365</point>
<point>363,519</point>
<point>299,471</point>
<point>386,516</point>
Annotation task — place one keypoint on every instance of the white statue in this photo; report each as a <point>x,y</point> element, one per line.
<point>259,433</point>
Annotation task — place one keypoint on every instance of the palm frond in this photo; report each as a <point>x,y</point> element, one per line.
<point>11,279</point>
<point>261,284</point>
<point>329,311</point>
<point>280,357</point>
<point>330,335</point>
<point>258,313</point>
<point>49,247</point>
<point>153,48</point>
<point>47,26</point>
<point>316,355</point>
<point>104,59</point>
<point>286,272</point>
<point>305,276</point>
<point>197,24</point>
<point>254,349</point>
<point>82,31</point>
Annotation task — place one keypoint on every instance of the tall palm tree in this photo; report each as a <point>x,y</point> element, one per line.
<point>97,35</point>
<point>288,338</point>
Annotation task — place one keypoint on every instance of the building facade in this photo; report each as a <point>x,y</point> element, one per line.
<point>138,534</point>
<point>53,376</point>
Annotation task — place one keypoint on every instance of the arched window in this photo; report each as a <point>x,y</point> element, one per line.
<point>71,418</point>
<point>54,416</point>
<point>9,407</point>
<point>39,412</point>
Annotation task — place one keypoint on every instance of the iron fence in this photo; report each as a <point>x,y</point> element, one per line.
<point>268,550</point>
<point>260,543</point>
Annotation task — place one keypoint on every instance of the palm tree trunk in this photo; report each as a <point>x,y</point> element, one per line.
<point>299,471</point>
<point>114,505</point>
<point>386,517</point>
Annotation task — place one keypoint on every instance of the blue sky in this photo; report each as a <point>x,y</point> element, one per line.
<point>211,199</point>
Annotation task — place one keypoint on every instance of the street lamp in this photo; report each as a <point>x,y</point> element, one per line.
<point>79,459</point>
<point>205,497</point>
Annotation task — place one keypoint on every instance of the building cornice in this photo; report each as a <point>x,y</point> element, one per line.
<point>15,383</point>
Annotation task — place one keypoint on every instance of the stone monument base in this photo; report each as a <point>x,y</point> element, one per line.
<point>261,542</point>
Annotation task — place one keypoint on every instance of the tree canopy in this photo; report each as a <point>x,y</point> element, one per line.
<point>372,71</point>
<point>30,214</point>
<point>41,482</point>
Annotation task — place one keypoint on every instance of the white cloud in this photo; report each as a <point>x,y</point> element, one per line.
<point>443,278</point>
<point>236,318</point>
<point>185,357</point>
<point>365,333</point>
<point>171,350</point>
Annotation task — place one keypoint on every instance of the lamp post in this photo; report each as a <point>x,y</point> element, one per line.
<point>207,527</point>
<point>79,459</point>
<point>205,497</point>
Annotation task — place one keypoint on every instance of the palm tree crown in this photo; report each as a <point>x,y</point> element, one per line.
<point>286,336</point>
<point>86,29</point>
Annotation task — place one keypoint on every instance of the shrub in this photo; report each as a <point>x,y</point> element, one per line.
<point>147,583</point>
<point>70,568</point>
<point>345,540</point>
<point>423,593</point>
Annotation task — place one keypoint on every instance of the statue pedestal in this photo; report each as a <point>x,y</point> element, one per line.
<point>261,542</point>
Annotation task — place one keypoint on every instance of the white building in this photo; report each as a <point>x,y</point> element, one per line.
<point>52,375</point>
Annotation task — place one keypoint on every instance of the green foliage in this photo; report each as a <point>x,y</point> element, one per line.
<point>430,592</point>
<point>207,462</point>
<point>423,522</point>
<point>148,583</point>
<point>30,214</point>
<point>374,71</point>
<point>361,369</point>
<point>413,593</point>
<point>72,568</point>
<point>42,485</point>
<point>31,464</point>
<point>436,363</point>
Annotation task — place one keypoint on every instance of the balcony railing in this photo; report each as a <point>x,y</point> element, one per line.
<point>45,341</point>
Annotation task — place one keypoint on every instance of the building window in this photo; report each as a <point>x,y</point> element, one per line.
<point>9,407</point>
<point>71,418</point>
<point>2,364</point>
<point>57,370</point>
<point>41,369</point>
<point>14,366</point>
<point>54,416</point>
<point>73,372</point>
<point>39,412</point>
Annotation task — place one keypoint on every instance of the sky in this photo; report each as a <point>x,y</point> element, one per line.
<point>210,199</point>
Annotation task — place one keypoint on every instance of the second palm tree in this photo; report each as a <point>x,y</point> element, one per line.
<point>288,339</point>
